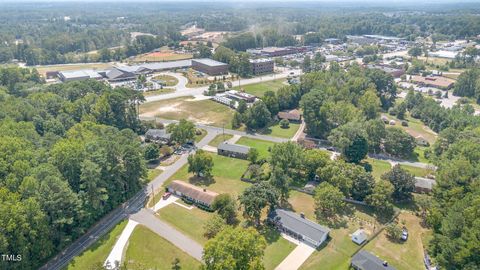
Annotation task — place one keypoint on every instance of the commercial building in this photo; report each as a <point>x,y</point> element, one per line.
<point>236,95</point>
<point>77,75</point>
<point>261,66</point>
<point>209,66</point>
<point>395,72</point>
<point>233,150</point>
<point>298,227</point>
<point>200,196</point>
<point>278,51</point>
<point>365,260</point>
<point>433,81</point>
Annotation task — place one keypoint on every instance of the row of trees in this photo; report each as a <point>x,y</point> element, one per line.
<point>68,156</point>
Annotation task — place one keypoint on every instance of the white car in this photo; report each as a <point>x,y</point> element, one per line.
<point>404,234</point>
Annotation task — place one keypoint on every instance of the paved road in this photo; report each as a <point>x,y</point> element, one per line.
<point>147,218</point>
<point>184,91</point>
<point>132,206</point>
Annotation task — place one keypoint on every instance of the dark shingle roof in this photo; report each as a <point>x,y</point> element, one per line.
<point>365,260</point>
<point>298,224</point>
<point>235,148</point>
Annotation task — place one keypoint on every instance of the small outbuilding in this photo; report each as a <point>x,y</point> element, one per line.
<point>359,236</point>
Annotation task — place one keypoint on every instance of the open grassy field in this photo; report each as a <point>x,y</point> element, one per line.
<point>277,249</point>
<point>67,67</point>
<point>147,250</point>
<point>98,253</point>
<point>337,251</point>
<point>277,131</point>
<point>379,167</point>
<point>190,222</point>
<point>219,139</point>
<point>402,255</point>
<point>258,89</point>
<point>263,147</point>
<point>162,57</point>
<point>415,127</point>
<point>169,80</point>
<point>226,175</point>
<point>153,173</point>
<point>420,154</point>
<point>193,110</point>
<point>421,172</point>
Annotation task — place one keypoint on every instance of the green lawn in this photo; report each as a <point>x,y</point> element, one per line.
<point>153,173</point>
<point>402,255</point>
<point>169,80</point>
<point>277,249</point>
<point>339,248</point>
<point>415,127</point>
<point>219,139</point>
<point>158,92</point>
<point>258,89</point>
<point>147,250</point>
<point>226,175</point>
<point>379,167</point>
<point>98,253</point>
<point>420,154</point>
<point>200,111</point>
<point>262,146</point>
<point>190,222</point>
<point>277,131</point>
<point>420,172</point>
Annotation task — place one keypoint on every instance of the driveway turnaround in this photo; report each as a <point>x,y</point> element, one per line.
<point>162,203</point>
<point>296,258</point>
<point>115,255</point>
<point>148,219</point>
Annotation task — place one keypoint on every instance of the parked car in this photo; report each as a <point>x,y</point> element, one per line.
<point>404,234</point>
<point>166,195</point>
<point>331,148</point>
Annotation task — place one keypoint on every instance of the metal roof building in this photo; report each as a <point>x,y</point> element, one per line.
<point>76,75</point>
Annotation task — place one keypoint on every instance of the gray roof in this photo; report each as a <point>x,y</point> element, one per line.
<point>298,224</point>
<point>157,133</point>
<point>365,260</point>
<point>424,182</point>
<point>385,68</point>
<point>209,62</point>
<point>116,73</point>
<point>77,74</point>
<point>236,148</point>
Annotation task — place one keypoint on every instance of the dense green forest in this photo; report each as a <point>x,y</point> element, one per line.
<point>56,33</point>
<point>68,156</point>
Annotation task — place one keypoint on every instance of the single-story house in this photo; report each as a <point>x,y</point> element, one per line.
<point>424,185</point>
<point>292,116</point>
<point>233,150</point>
<point>200,196</point>
<point>359,236</point>
<point>298,227</point>
<point>158,135</point>
<point>365,260</point>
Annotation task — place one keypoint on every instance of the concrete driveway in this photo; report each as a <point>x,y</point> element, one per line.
<point>296,258</point>
<point>115,255</point>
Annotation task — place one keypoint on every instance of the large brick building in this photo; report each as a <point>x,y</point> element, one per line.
<point>260,66</point>
<point>209,66</point>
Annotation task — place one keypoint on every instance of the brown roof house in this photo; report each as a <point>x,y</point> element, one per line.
<point>199,196</point>
<point>292,116</point>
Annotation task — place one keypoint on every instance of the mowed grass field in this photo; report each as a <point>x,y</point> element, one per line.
<point>262,146</point>
<point>258,89</point>
<point>406,255</point>
<point>147,250</point>
<point>219,139</point>
<point>199,111</point>
<point>277,131</point>
<point>379,167</point>
<point>43,69</point>
<point>98,253</point>
<point>161,57</point>
<point>416,171</point>
<point>169,80</point>
<point>226,175</point>
<point>415,127</point>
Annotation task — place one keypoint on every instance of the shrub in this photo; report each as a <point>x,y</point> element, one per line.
<point>284,123</point>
